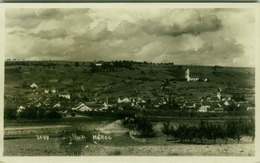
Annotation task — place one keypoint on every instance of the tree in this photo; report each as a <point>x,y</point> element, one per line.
<point>52,114</point>
<point>73,114</point>
<point>10,113</point>
<point>140,124</point>
<point>142,72</point>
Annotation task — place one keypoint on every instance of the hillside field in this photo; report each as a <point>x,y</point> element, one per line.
<point>144,80</point>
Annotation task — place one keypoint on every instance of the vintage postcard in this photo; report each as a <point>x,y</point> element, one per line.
<point>130,80</point>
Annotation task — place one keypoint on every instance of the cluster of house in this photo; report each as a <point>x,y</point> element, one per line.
<point>52,99</point>
<point>137,102</point>
<point>208,104</point>
<point>215,104</point>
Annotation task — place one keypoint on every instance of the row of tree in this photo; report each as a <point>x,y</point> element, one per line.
<point>206,132</point>
<point>31,113</point>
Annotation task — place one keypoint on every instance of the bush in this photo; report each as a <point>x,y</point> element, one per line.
<point>140,124</point>
<point>168,129</point>
<point>115,153</point>
<point>73,114</point>
<point>10,113</point>
<point>142,72</point>
<point>52,114</point>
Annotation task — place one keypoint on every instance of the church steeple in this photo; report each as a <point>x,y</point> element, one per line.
<point>187,75</point>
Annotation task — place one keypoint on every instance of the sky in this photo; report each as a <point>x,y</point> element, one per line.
<point>212,36</point>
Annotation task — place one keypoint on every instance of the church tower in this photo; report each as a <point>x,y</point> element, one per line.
<point>187,75</point>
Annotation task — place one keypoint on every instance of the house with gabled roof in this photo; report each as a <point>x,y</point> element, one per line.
<point>33,85</point>
<point>124,100</point>
<point>20,109</point>
<point>203,108</point>
<point>57,105</point>
<point>82,107</point>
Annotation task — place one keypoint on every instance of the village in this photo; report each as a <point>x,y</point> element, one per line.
<point>71,97</point>
<point>129,80</point>
<point>88,108</point>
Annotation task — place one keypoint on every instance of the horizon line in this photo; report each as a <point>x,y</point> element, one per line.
<point>23,60</point>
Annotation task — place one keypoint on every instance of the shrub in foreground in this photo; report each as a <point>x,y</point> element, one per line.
<point>140,124</point>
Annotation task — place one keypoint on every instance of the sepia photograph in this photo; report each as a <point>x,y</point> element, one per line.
<point>143,80</point>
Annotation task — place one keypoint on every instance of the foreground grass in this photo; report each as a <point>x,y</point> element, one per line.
<point>119,145</point>
<point>125,146</point>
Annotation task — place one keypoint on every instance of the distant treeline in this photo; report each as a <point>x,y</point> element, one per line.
<point>113,65</point>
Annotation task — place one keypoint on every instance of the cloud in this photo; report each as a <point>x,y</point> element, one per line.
<point>219,51</point>
<point>17,33</point>
<point>126,30</point>
<point>51,34</point>
<point>32,18</point>
<point>198,25</point>
<point>159,35</point>
<point>194,25</point>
